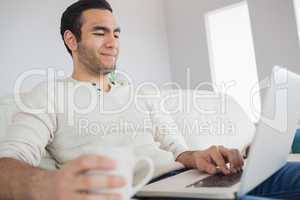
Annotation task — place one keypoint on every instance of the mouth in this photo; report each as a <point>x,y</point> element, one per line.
<point>108,55</point>
<point>109,59</point>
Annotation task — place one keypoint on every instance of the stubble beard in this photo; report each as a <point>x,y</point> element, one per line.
<point>92,63</point>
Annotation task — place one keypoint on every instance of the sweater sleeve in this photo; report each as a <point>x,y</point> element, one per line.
<point>166,131</point>
<point>31,129</point>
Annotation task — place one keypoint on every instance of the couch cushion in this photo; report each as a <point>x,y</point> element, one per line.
<point>7,107</point>
<point>3,120</point>
<point>296,142</point>
<point>206,118</point>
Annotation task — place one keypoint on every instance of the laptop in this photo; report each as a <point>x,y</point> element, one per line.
<point>268,153</point>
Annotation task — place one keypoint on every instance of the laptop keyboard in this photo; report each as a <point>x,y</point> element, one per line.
<point>218,180</point>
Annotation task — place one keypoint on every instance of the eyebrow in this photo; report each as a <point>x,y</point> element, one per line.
<point>105,29</point>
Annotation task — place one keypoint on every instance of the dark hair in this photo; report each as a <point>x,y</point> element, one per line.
<point>71,18</point>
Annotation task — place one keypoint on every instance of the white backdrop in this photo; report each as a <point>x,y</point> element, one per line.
<point>30,39</point>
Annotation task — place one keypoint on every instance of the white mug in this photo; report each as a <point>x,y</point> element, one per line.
<point>126,163</point>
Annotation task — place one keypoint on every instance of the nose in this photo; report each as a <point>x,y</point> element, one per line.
<point>111,41</point>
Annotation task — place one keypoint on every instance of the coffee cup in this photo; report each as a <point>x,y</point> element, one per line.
<point>126,163</point>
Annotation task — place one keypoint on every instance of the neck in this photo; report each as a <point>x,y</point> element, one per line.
<point>80,73</point>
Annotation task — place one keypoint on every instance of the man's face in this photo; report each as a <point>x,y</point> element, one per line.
<point>98,49</point>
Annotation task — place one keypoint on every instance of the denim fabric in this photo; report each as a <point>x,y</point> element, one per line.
<point>284,184</point>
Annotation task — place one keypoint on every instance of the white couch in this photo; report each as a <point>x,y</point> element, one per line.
<point>209,118</point>
<point>200,117</point>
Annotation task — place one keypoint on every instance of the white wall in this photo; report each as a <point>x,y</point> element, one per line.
<point>150,32</point>
<point>188,41</point>
<point>30,39</point>
<point>274,33</point>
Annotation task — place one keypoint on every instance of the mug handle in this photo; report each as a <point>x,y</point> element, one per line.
<point>147,178</point>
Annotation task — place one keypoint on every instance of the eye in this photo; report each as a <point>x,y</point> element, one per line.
<point>99,34</point>
<point>116,34</point>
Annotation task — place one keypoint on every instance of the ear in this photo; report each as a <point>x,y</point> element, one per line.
<point>70,40</point>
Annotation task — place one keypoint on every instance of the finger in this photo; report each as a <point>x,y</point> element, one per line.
<point>238,159</point>
<point>100,196</point>
<point>241,161</point>
<point>217,157</point>
<point>87,182</point>
<point>233,158</point>
<point>90,162</point>
<point>229,156</point>
<point>204,165</point>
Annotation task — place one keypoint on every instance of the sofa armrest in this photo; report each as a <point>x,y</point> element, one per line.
<point>296,143</point>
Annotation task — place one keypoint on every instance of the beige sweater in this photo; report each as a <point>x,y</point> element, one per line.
<point>68,118</point>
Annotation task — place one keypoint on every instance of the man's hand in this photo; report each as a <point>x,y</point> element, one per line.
<point>227,160</point>
<point>71,183</point>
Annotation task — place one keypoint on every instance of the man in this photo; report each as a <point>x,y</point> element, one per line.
<point>91,36</point>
